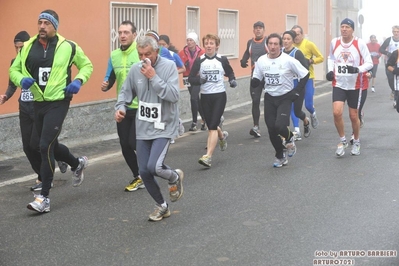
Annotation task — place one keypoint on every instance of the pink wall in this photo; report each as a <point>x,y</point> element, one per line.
<point>87,23</point>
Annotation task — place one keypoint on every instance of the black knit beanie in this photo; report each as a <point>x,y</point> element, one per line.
<point>21,36</point>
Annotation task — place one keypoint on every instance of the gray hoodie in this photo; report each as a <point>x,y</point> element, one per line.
<point>158,112</point>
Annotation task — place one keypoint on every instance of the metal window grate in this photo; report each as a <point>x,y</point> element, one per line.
<point>228,33</point>
<point>193,20</point>
<point>142,17</point>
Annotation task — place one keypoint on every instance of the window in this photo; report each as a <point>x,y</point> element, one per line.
<point>291,20</point>
<point>193,20</point>
<point>228,33</point>
<point>143,17</point>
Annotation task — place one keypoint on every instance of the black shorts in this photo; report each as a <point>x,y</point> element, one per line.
<point>353,97</point>
<point>213,107</point>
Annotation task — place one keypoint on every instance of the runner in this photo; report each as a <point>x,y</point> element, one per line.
<point>155,82</point>
<point>188,55</point>
<point>119,65</point>
<point>390,45</point>
<point>314,56</point>
<point>291,50</point>
<point>349,62</point>
<point>52,94</point>
<point>374,49</point>
<point>256,47</point>
<point>30,139</point>
<point>393,66</point>
<point>208,71</point>
<point>278,71</point>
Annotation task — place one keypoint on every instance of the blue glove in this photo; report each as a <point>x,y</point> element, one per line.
<point>26,83</point>
<point>73,87</point>
<point>233,83</point>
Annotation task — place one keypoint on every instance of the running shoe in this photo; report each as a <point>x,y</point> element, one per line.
<point>356,148</point>
<point>306,129</point>
<point>181,127</point>
<point>203,127</point>
<point>78,176</point>
<point>372,89</point>
<point>40,204</point>
<point>280,162</point>
<point>176,189</point>
<point>255,132</point>
<point>63,166</point>
<point>193,127</point>
<point>205,160</point>
<point>297,135</point>
<point>38,186</point>
<point>291,147</point>
<point>341,148</point>
<point>223,142</point>
<point>135,184</point>
<point>314,121</point>
<point>159,213</point>
<point>221,122</point>
<point>172,141</point>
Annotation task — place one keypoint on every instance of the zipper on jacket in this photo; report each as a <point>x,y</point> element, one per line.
<point>45,49</point>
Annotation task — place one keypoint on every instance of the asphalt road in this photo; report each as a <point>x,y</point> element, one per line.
<point>242,211</point>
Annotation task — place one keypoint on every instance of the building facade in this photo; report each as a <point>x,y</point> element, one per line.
<point>93,24</point>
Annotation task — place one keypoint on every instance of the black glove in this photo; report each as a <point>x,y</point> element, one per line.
<point>352,69</point>
<point>395,71</point>
<point>233,83</point>
<point>243,64</point>
<point>330,76</point>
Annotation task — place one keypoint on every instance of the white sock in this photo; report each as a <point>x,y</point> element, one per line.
<point>164,204</point>
<point>297,129</point>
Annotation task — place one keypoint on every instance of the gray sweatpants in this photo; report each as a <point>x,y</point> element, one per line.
<point>150,156</point>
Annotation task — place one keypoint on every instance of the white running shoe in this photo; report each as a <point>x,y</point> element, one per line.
<point>291,147</point>
<point>223,142</point>
<point>281,162</point>
<point>40,204</point>
<point>341,148</point>
<point>297,135</point>
<point>355,148</point>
